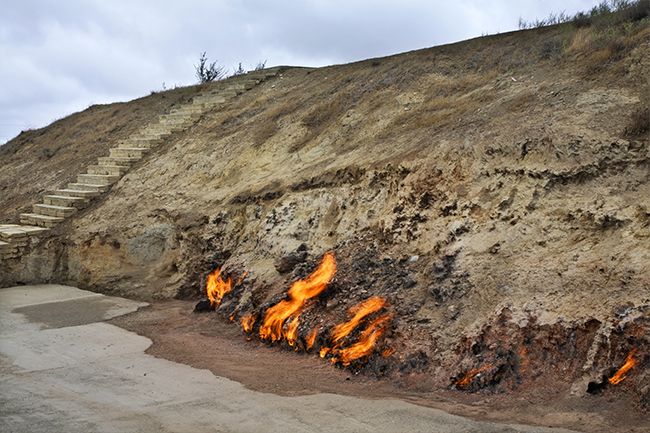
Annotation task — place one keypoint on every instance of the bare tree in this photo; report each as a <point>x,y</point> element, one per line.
<point>206,73</point>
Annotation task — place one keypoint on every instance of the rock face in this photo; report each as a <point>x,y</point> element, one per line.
<point>498,199</point>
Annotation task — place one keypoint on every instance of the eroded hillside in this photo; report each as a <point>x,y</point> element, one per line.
<point>495,192</point>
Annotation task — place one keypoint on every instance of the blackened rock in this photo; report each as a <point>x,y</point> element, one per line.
<point>202,306</point>
<point>289,261</point>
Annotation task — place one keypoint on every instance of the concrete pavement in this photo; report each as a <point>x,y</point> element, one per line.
<point>62,369</point>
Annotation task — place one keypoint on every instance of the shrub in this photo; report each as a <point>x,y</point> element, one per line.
<point>208,73</point>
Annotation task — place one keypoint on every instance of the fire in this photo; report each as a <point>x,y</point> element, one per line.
<point>292,331</point>
<point>311,337</point>
<point>366,344</point>
<point>247,322</point>
<point>339,332</point>
<point>217,287</point>
<point>387,352</point>
<point>621,374</point>
<point>299,293</point>
<point>465,381</point>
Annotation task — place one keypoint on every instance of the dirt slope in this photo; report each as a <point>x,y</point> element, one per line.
<point>494,192</point>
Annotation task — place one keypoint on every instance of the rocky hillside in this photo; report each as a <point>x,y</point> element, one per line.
<point>495,192</point>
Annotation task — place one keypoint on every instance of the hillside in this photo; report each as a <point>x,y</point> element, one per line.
<point>495,192</point>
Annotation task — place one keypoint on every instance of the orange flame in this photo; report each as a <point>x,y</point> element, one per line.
<point>217,287</point>
<point>340,331</point>
<point>247,322</point>
<point>366,344</point>
<point>299,293</point>
<point>292,331</point>
<point>387,352</point>
<point>621,374</point>
<point>464,382</point>
<point>311,338</point>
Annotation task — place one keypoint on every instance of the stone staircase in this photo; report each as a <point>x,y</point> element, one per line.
<point>65,202</point>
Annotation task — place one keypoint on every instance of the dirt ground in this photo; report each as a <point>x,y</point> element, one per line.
<point>205,340</point>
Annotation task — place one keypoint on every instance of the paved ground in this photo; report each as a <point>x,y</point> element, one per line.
<point>63,370</point>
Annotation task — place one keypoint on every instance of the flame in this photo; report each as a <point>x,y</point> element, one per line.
<point>340,331</point>
<point>621,374</point>
<point>247,322</point>
<point>311,337</point>
<point>234,316</point>
<point>292,331</point>
<point>299,293</point>
<point>387,352</point>
<point>217,287</point>
<point>366,344</point>
<point>241,279</point>
<point>464,382</point>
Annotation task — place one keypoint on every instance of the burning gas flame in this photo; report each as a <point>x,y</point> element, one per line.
<point>299,293</point>
<point>366,344</point>
<point>465,381</point>
<point>217,287</point>
<point>247,322</point>
<point>339,332</point>
<point>311,338</point>
<point>621,374</point>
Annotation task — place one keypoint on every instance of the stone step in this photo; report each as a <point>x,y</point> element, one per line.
<point>53,211</point>
<point>115,170</point>
<point>131,143</point>
<point>88,187</point>
<point>13,234</point>
<point>117,160</point>
<point>153,131</point>
<point>178,118</point>
<point>5,248</point>
<point>40,220</point>
<point>64,201</point>
<point>139,142</point>
<point>88,194</point>
<point>33,230</point>
<point>186,109</point>
<point>245,85</point>
<point>129,153</point>
<point>98,179</point>
<point>206,103</point>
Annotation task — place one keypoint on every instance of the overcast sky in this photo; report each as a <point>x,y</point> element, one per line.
<point>58,57</point>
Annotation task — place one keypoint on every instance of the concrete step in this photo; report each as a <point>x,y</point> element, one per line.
<point>77,193</point>
<point>117,160</point>
<point>53,211</point>
<point>98,179</point>
<point>40,220</point>
<point>129,153</point>
<point>88,187</point>
<point>115,170</point>
<point>63,201</point>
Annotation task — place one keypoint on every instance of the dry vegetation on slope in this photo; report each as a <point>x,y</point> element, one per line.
<point>494,191</point>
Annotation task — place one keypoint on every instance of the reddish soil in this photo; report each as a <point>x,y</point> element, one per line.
<point>207,341</point>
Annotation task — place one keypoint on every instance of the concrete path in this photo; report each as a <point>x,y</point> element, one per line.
<point>63,370</point>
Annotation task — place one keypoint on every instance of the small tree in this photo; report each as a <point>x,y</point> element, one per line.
<point>260,65</point>
<point>240,70</point>
<point>208,73</point>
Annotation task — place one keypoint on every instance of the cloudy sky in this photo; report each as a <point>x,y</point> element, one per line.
<point>58,57</point>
